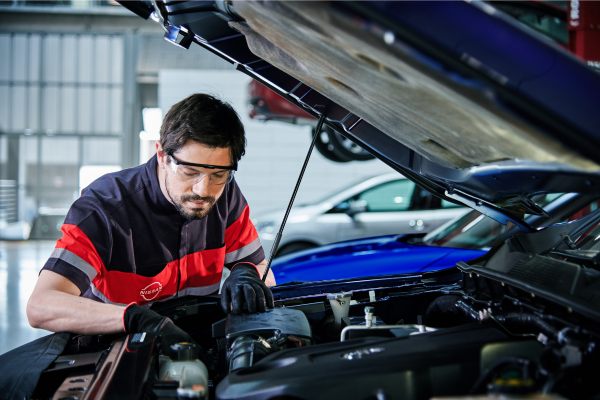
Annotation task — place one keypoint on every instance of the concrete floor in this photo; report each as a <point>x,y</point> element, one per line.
<point>20,263</point>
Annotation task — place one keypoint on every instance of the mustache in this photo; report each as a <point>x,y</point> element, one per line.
<point>195,197</point>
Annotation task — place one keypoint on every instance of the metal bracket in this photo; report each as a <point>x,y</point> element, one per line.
<point>179,37</point>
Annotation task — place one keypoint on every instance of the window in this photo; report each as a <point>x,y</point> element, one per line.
<point>391,196</point>
<point>423,200</point>
<point>475,231</point>
<point>584,211</point>
<point>447,204</point>
<point>471,231</point>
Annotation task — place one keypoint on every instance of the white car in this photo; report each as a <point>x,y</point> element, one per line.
<point>385,204</point>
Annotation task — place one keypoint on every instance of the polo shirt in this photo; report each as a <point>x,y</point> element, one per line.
<point>124,242</point>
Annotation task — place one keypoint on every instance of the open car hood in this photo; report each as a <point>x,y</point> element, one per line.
<point>454,95</point>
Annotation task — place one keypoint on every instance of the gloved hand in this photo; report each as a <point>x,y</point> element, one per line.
<point>137,319</point>
<point>245,283</point>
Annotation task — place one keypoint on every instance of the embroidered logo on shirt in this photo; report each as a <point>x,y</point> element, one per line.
<point>151,291</point>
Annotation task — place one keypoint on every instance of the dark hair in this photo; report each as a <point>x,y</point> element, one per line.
<point>205,120</point>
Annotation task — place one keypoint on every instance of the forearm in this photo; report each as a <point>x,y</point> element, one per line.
<point>62,312</point>
<point>270,277</point>
<point>65,311</point>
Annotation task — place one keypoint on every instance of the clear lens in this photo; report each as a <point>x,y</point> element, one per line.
<point>195,175</point>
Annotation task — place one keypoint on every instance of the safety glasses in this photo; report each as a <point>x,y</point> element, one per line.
<point>190,172</point>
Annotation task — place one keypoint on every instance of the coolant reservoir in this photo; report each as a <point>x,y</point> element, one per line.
<point>184,366</point>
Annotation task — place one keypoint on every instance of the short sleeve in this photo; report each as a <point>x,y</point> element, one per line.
<point>84,249</point>
<point>242,243</point>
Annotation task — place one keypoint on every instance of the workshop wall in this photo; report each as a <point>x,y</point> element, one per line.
<point>61,108</point>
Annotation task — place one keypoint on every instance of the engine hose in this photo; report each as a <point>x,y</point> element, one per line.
<point>467,311</point>
<point>522,321</point>
<point>444,310</point>
<point>247,351</point>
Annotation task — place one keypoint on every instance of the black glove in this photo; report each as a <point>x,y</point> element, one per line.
<point>245,283</point>
<point>137,319</point>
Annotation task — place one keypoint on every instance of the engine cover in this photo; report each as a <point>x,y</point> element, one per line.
<point>440,363</point>
<point>275,322</point>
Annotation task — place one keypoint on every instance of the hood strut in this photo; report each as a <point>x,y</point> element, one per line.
<point>289,207</point>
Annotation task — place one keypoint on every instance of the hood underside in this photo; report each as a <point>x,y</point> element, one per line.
<point>455,125</point>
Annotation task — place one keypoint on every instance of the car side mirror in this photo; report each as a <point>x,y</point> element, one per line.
<point>356,207</point>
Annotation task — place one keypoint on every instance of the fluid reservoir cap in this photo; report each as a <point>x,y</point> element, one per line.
<point>511,386</point>
<point>195,392</point>
<point>184,351</point>
<point>339,296</point>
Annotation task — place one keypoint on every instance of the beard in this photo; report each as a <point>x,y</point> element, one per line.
<point>191,213</point>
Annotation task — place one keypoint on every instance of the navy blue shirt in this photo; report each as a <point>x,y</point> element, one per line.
<point>124,242</point>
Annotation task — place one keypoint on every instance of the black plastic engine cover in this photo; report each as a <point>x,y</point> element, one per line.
<point>439,363</point>
<point>285,321</point>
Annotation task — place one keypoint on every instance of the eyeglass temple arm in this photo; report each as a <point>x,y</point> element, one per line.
<point>177,162</point>
<point>289,208</point>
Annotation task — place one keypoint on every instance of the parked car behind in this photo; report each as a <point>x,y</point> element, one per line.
<point>47,224</point>
<point>382,205</point>
<point>266,105</point>
<point>464,238</point>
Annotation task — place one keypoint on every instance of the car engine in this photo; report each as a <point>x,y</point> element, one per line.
<point>447,334</point>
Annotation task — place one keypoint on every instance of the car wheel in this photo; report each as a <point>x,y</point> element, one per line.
<point>341,148</point>
<point>294,247</point>
<point>323,146</point>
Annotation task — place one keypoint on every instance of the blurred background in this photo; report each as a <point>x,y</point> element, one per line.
<point>83,88</point>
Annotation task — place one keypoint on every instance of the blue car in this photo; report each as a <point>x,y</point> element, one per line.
<point>462,239</point>
<point>382,255</point>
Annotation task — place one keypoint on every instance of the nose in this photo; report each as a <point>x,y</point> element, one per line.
<point>202,187</point>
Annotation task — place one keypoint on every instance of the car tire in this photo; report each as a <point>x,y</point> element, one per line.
<point>335,147</point>
<point>323,146</point>
<point>294,247</point>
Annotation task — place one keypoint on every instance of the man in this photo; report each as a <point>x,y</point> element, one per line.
<point>161,230</point>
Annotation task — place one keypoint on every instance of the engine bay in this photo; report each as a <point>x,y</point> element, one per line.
<point>521,321</point>
<point>450,333</point>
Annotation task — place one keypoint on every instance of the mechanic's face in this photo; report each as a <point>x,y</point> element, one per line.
<point>194,197</point>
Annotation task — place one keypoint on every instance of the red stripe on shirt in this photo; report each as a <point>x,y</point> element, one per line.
<point>203,268</point>
<point>127,287</point>
<point>77,242</point>
<point>241,233</point>
<point>199,269</point>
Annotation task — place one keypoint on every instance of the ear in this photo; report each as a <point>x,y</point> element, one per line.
<point>160,155</point>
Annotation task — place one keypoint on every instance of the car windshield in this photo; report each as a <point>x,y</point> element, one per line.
<point>590,239</point>
<point>476,231</point>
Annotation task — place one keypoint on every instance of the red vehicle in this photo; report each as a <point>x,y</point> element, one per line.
<point>575,28</point>
<point>264,104</point>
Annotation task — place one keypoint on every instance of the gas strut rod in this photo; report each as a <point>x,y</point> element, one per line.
<point>289,208</point>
